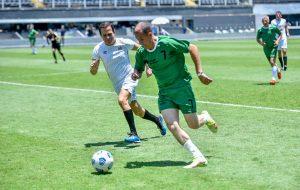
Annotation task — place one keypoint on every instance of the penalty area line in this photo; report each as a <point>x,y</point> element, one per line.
<point>148,96</point>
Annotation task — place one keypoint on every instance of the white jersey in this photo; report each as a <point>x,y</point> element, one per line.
<point>280,24</point>
<point>115,59</point>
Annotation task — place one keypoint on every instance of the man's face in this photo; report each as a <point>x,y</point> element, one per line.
<point>108,35</point>
<point>265,21</point>
<point>144,39</point>
<point>278,15</point>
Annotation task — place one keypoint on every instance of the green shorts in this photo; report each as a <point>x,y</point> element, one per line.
<point>270,52</point>
<point>181,98</point>
<point>32,41</point>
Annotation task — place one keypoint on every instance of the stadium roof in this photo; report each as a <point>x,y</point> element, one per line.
<point>87,19</point>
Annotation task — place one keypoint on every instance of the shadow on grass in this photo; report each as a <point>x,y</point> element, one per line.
<point>101,173</point>
<point>263,84</point>
<point>163,163</point>
<point>123,144</point>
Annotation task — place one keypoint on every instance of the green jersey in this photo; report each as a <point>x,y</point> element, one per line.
<point>32,33</point>
<point>166,61</point>
<point>268,35</point>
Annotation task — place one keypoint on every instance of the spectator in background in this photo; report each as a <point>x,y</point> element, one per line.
<point>32,37</point>
<point>89,31</point>
<point>62,35</point>
<point>163,32</point>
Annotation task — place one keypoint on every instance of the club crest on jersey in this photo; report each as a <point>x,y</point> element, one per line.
<point>119,48</point>
<point>105,52</point>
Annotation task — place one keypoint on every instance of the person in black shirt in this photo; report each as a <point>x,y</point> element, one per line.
<point>54,39</point>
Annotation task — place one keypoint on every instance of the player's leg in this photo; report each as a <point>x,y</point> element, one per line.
<point>271,56</point>
<point>186,102</point>
<point>54,54</point>
<point>123,97</point>
<point>195,121</point>
<point>59,51</point>
<point>280,53</point>
<point>284,52</point>
<point>171,117</point>
<point>33,46</point>
<point>145,114</point>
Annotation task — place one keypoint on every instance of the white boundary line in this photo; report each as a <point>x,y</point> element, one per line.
<point>151,97</point>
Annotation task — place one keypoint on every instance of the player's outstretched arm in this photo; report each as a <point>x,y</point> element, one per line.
<point>195,55</point>
<point>136,46</point>
<point>136,74</point>
<point>278,39</point>
<point>94,67</point>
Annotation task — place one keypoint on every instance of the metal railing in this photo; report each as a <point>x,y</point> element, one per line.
<point>49,4</point>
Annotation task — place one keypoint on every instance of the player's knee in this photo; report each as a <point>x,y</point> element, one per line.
<point>122,101</point>
<point>172,126</point>
<point>194,125</point>
<point>284,52</point>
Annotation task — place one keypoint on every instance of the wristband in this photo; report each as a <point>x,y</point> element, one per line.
<point>200,74</point>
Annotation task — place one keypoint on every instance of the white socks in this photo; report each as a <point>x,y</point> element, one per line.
<point>274,72</point>
<point>34,50</point>
<point>189,146</point>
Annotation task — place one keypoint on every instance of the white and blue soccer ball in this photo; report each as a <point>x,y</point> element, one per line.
<point>102,161</point>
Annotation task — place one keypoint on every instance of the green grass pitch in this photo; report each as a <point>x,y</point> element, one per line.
<point>53,117</point>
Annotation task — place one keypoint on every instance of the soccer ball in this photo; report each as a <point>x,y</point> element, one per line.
<point>102,161</point>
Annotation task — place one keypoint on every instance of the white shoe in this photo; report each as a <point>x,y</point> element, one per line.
<point>210,122</point>
<point>197,162</point>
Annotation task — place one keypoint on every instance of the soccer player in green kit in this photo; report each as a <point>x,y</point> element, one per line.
<point>269,36</point>
<point>32,38</point>
<point>165,56</point>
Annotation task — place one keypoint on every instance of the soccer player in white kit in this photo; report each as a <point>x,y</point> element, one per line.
<point>114,53</point>
<point>281,24</point>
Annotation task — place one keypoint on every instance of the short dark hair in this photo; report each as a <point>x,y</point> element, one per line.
<point>278,12</point>
<point>147,28</point>
<point>104,25</point>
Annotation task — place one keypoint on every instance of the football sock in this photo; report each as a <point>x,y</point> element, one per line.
<point>54,55</point>
<point>274,71</point>
<point>62,55</point>
<point>130,120</point>
<point>281,62</point>
<point>191,147</point>
<point>285,62</point>
<point>149,116</point>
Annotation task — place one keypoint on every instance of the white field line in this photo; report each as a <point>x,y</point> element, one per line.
<point>57,73</point>
<point>148,96</point>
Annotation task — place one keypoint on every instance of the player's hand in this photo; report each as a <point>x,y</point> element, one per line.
<point>276,43</point>
<point>149,72</point>
<point>263,44</point>
<point>135,76</point>
<point>204,78</point>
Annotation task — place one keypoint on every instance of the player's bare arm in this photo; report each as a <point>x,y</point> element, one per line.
<point>94,67</point>
<point>136,46</point>
<point>136,74</point>
<point>260,42</point>
<point>287,31</point>
<point>278,39</point>
<point>195,55</point>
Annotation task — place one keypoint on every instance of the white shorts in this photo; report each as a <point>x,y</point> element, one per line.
<point>282,44</point>
<point>128,84</point>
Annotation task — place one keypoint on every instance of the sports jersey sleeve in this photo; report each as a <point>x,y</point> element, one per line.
<point>139,63</point>
<point>258,35</point>
<point>128,43</point>
<point>277,31</point>
<point>181,46</point>
<point>95,54</point>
